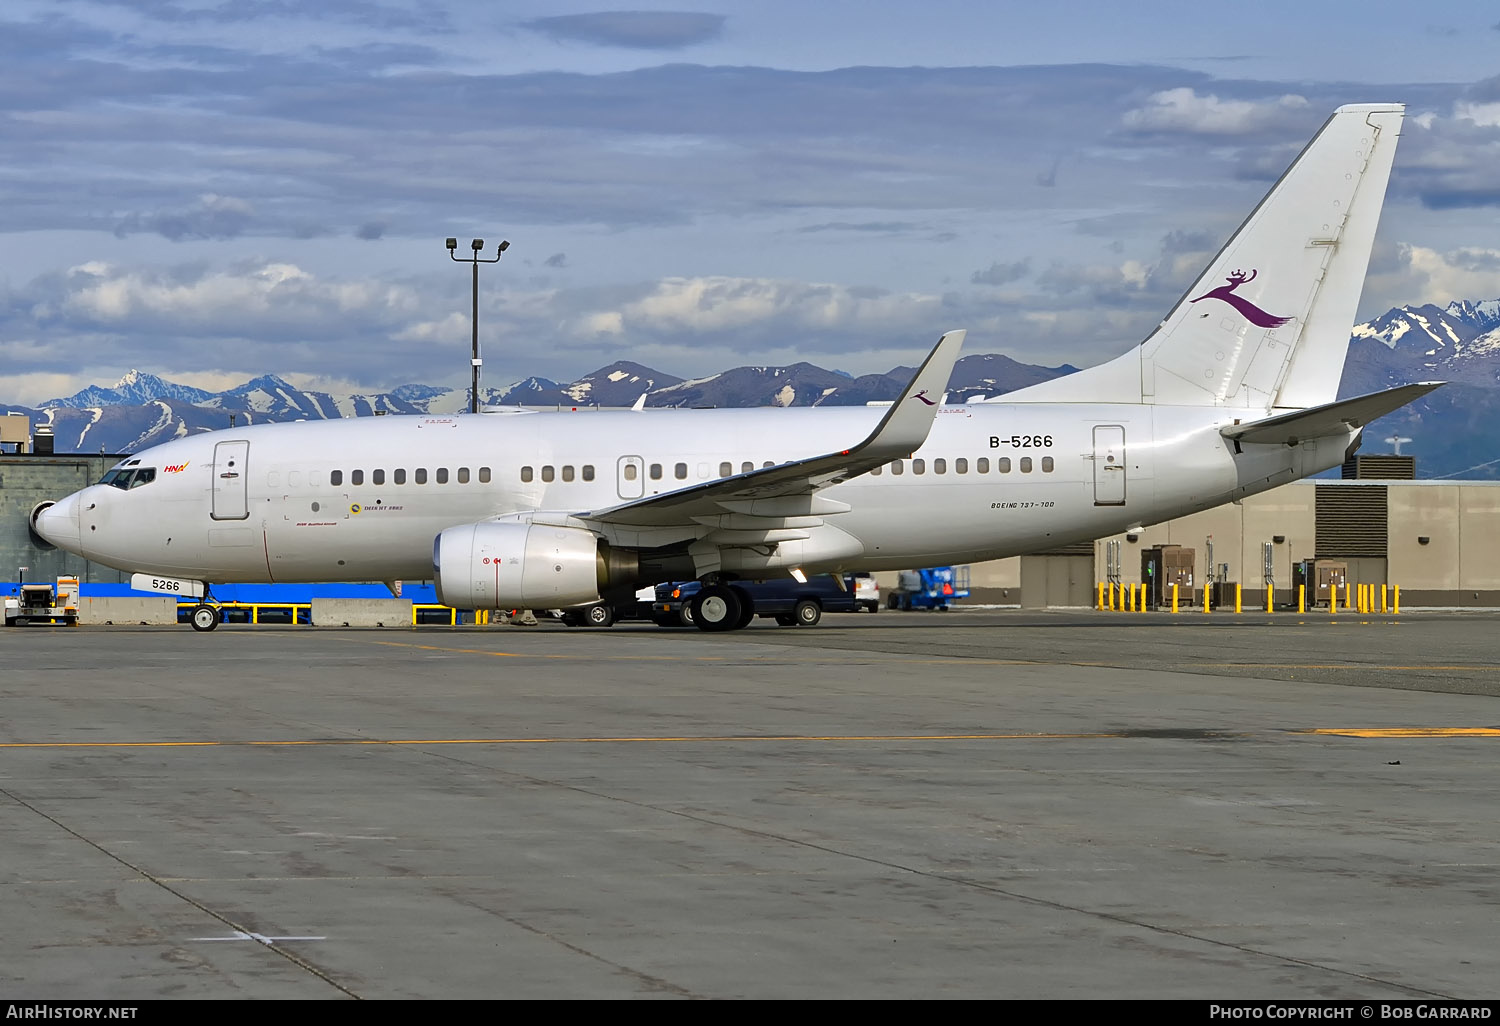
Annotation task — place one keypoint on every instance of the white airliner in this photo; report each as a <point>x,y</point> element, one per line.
<point>1232,394</point>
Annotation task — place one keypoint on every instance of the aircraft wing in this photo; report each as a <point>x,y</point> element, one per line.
<point>1291,428</point>
<point>900,432</point>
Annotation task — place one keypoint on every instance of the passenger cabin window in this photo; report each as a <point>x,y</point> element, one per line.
<point>896,468</point>
<point>919,466</point>
<point>588,472</point>
<point>877,471</point>
<point>356,477</point>
<point>567,472</point>
<point>726,469</point>
<point>960,466</point>
<point>442,475</point>
<point>940,466</point>
<point>463,475</point>
<point>420,475</point>
<point>982,465</point>
<point>746,467</point>
<point>548,473</point>
<point>656,471</point>
<point>680,471</point>
<point>1003,464</point>
<point>377,477</point>
<point>398,476</point>
<point>484,475</point>
<point>526,473</point>
<point>1025,464</point>
<point>1047,464</point>
<point>336,477</point>
<point>629,470</point>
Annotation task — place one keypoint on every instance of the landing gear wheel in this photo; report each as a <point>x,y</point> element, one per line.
<point>747,608</point>
<point>205,617</point>
<point>598,616</point>
<point>715,608</point>
<point>807,613</point>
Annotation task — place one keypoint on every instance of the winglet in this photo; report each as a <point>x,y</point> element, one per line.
<point>905,425</point>
<point>640,404</point>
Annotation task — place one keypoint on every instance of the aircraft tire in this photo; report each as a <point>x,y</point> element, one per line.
<point>747,608</point>
<point>715,608</point>
<point>205,617</point>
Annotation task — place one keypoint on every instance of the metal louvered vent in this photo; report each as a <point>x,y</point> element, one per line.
<point>1351,521</point>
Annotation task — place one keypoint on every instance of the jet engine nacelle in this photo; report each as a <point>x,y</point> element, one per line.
<point>516,566</point>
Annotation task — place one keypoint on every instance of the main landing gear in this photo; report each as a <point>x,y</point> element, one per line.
<point>721,607</point>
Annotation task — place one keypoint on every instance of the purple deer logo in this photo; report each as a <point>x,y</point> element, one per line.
<point>1252,313</point>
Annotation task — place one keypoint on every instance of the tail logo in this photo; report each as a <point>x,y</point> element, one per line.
<point>1252,313</point>
<point>922,395</point>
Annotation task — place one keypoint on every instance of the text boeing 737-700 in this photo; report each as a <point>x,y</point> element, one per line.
<point>1232,394</point>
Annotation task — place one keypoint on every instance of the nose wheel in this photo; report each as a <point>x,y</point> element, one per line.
<point>205,617</point>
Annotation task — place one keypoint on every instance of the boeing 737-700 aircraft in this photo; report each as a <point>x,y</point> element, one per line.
<point>1232,394</point>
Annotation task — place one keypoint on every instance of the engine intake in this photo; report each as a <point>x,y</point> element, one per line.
<point>518,566</point>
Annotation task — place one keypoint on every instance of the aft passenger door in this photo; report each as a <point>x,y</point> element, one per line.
<point>1109,465</point>
<point>231,481</point>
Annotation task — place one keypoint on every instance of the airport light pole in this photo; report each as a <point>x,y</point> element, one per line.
<point>474,362</point>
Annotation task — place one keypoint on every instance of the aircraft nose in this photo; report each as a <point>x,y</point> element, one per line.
<point>58,523</point>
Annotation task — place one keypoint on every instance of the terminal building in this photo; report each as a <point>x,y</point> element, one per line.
<point>1439,541</point>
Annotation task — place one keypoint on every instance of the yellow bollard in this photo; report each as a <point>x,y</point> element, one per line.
<point>1130,602</point>
<point>1348,595</point>
<point>1396,602</point>
<point>1270,595</point>
<point>1237,596</point>
<point>1333,600</point>
<point>1174,598</point>
<point>1206,590</point>
<point>1143,597</point>
<point>1385,606</point>
<point>1301,598</point>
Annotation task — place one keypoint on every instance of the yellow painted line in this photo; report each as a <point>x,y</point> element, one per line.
<point>781,656</point>
<point>554,740</point>
<point>1364,732</point>
<point>1408,731</point>
<point>1343,666</point>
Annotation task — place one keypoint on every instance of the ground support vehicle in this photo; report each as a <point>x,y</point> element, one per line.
<point>790,602</point>
<point>934,588</point>
<point>43,603</point>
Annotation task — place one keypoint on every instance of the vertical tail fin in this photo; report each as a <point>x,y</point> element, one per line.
<point>1267,323</point>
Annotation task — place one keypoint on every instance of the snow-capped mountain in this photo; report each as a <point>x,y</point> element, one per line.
<point>1451,430</point>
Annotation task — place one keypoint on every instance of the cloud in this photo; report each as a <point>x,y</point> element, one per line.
<point>556,260</point>
<point>1001,274</point>
<point>635,30</point>
<point>213,217</point>
<point>1182,110</point>
<point>1404,273</point>
<point>370,230</point>
<point>882,227</point>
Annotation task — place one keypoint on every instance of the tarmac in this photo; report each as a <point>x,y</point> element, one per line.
<point>974,804</point>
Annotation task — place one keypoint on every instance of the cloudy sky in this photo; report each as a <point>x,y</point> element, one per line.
<point>214,189</point>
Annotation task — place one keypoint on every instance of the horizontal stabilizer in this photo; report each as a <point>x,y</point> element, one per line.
<point>1319,421</point>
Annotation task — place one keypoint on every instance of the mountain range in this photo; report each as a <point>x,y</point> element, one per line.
<point>1450,431</point>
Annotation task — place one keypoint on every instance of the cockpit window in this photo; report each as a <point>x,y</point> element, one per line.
<point>125,477</point>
